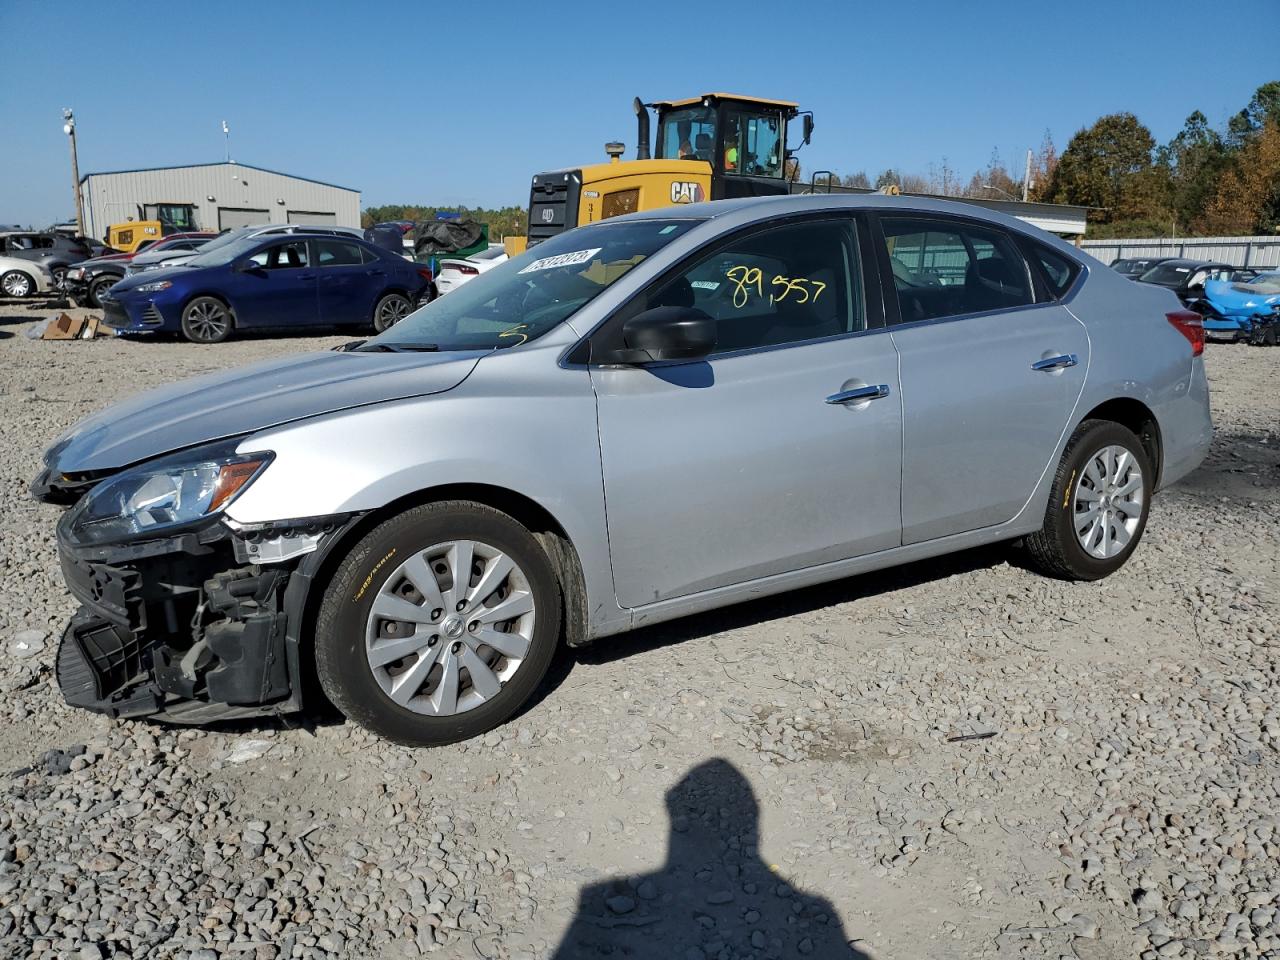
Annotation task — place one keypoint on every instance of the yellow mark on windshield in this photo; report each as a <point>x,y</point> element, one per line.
<point>516,332</point>
<point>745,277</point>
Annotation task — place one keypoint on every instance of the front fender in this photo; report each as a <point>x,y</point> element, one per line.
<point>512,424</point>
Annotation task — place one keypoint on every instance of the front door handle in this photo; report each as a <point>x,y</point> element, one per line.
<point>1056,363</point>
<point>860,394</point>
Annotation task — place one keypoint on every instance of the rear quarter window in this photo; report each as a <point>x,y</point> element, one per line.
<point>1060,271</point>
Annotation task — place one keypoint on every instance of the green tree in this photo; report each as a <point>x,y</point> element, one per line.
<point>1263,108</point>
<point>1191,165</point>
<point>1247,198</point>
<point>1107,167</point>
<point>887,178</point>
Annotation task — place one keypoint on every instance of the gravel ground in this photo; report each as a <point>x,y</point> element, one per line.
<point>958,758</point>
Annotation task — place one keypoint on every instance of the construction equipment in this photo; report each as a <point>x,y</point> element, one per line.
<point>161,219</point>
<point>710,147</point>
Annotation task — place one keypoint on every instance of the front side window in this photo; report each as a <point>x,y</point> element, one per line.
<point>282,256</point>
<point>944,268</point>
<point>689,134</point>
<point>753,144</point>
<point>786,285</point>
<point>336,253</point>
<point>529,295</point>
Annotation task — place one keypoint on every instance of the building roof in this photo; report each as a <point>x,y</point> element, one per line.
<point>218,163</point>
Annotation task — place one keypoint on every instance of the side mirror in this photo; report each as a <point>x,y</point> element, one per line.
<point>667,333</point>
<point>808,127</point>
<point>244,266</point>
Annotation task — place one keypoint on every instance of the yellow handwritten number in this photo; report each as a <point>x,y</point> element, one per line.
<point>516,332</point>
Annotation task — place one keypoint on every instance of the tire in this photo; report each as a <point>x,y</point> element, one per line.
<point>1059,549</point>
<point>422,543</point>
<point>391,309</point>
<point>15,283</point>
<point>206,320</point>
<point>59,277</point>
<point>98,286</point>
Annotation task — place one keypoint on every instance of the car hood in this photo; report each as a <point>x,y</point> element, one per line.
<point>1227,296</point>
<point>133,281</point>
<point>248,399</point>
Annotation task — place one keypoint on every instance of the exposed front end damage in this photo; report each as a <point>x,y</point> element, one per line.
<point>190,628</point>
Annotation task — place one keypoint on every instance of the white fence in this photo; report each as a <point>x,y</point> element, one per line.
<point>1238,251</point>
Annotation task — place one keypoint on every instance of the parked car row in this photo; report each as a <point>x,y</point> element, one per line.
<point>1237,303</point>
<point>53,251</point>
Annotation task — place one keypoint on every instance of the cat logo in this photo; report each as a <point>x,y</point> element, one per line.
<point>687,191</point>
<point>548,214</point>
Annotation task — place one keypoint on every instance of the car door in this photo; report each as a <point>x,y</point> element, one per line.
<point>991,372</point>
<point>278,288</point>
<point>780,451</point>
<point>348,285</point>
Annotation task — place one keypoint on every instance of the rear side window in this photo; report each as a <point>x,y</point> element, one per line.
<point>1059,271</point>
<point>336,253</point>
<point>947,268</point>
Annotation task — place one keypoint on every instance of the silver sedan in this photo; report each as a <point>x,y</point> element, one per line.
<point>633,421</point>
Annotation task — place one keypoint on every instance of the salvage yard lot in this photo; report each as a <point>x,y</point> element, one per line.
<point>1124,801</point>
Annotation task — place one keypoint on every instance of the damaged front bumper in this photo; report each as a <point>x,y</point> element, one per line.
<point>195,627</point>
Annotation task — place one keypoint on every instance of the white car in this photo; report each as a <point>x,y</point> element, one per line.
<point>454,273</point>
<point>24,278</point>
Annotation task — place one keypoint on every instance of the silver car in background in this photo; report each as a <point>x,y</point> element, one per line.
<point>635,420</point>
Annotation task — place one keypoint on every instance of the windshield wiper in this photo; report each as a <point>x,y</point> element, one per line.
<point>414,347</point>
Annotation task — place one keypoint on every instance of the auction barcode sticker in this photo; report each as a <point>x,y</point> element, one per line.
<point>562,260</point>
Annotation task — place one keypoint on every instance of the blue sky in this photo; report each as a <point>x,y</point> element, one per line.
<point>463,102</point>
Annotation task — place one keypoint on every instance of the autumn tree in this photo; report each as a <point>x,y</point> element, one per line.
<point>1247,198</point>
<point>1104,166</point>
<point>1044,163</point>
<point>1190,165</point>
<point>994,180</point>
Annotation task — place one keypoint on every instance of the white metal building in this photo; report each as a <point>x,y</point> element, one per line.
<point>1261,252</point>
<point>213,196</point>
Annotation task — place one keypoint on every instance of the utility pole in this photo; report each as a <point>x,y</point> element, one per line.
<point>69,128</point>
<point>1026,180</point>
<point>226,134</point>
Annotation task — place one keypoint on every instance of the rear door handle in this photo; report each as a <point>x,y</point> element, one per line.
<point>860,394</point>
<point>1056,363</point>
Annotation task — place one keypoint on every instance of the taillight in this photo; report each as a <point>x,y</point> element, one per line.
<point>1191,325</point>
<point>465,270</point>
<point>425,274</point>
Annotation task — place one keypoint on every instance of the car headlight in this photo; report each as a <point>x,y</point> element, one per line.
<point>163,495</point>
<point>154,287</point>
<point>76,272</point>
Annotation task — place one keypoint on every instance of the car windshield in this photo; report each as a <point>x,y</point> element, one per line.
<point>214,254</point>
<point>231,236</point>
<point>525,297</point>
<point>1266,282</point>
<point>1169,274</point>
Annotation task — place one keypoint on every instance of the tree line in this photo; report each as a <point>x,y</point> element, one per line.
<point>502,221</point>
<point>1203,182</point>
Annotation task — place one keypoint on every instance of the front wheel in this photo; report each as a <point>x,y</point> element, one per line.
<point>100,286</point>
<point>59,277</point>
<point>390,310</point>
<point>1098,505</point>
<point>439,625</point>
<point>206,320</point>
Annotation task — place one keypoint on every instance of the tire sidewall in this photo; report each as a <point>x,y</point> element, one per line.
<point>96,286</point>
<point>1083,447</point>
<point>377,310</point>
<point>341,627</point>
<point>186,328</point>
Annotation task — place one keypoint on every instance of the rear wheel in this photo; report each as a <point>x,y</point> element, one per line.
<point>99,286</point>
<point>206,320</point>
<point>1098,505</point>
<point>15,283</point>
<point>390,310</point>
<point>439,625</point>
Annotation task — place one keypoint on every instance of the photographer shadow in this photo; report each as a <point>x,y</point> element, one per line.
<point>714,897</point>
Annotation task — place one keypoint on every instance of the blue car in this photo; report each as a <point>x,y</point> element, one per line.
<point>1232,310</point>
<point>293,280</point>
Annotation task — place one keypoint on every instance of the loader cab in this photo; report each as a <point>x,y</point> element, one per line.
<point>744,139</point>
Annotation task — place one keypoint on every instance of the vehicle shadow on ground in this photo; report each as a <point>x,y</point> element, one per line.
<point>265,333</point>
<point>753,612</point>
<point>713,893</point>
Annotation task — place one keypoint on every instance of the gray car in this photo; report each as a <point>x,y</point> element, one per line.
<point>635,420</point>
